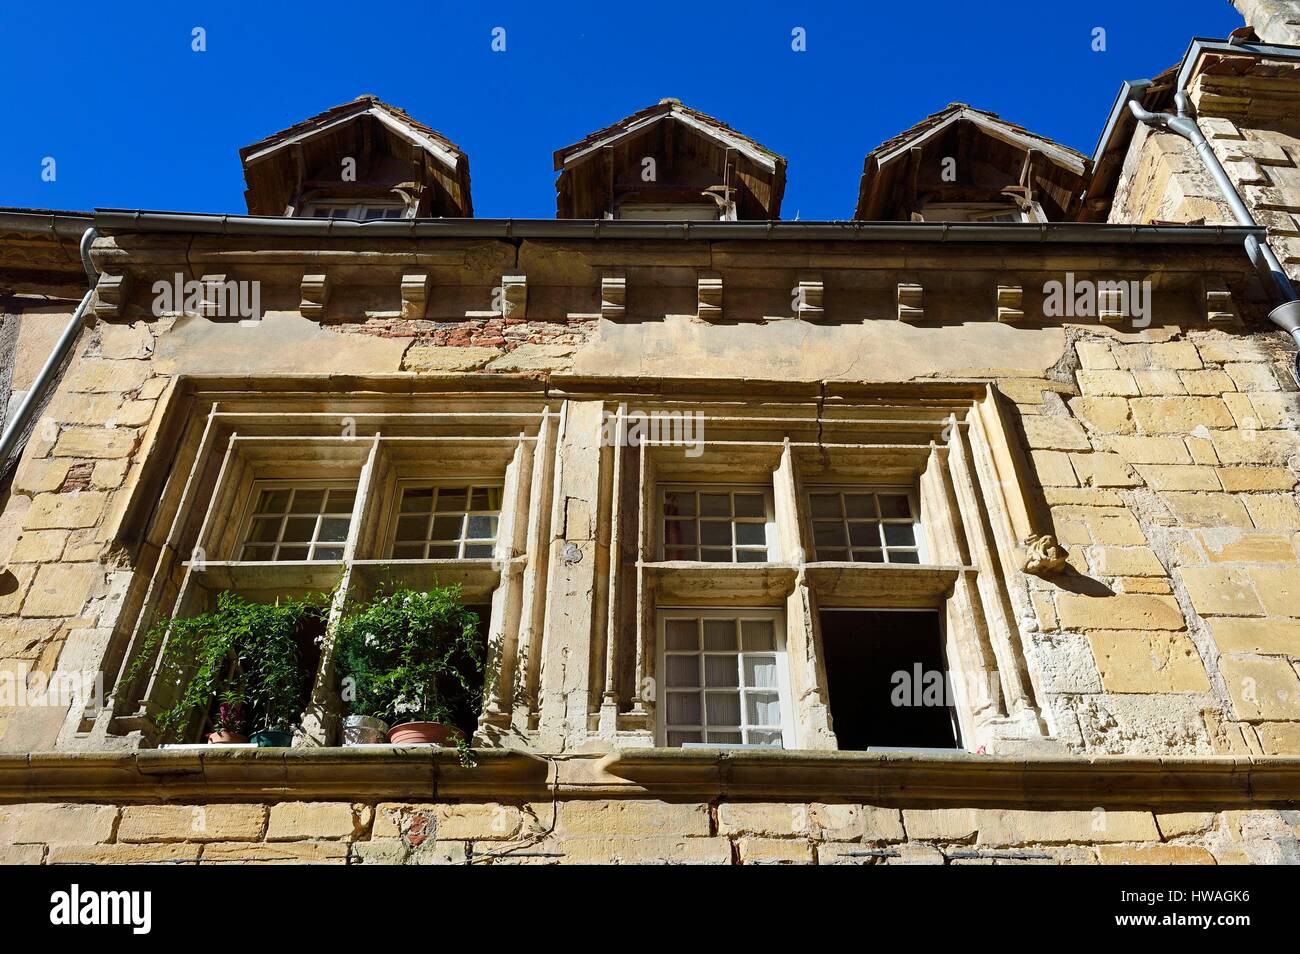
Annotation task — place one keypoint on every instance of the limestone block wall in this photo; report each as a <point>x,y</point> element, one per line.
<point>632,831</point>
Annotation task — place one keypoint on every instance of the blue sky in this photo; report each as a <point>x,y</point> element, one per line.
<point>134,118</point>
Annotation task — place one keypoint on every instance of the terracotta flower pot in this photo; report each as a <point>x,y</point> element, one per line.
<point>224,737</point>
<point>435,732</point>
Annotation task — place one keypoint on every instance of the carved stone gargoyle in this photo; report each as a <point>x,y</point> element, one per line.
<point>1043,555</point>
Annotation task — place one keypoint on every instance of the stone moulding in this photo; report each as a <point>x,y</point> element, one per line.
<point>152,776</point>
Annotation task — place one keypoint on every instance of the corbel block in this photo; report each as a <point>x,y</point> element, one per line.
<point>1220,309</point>
<point>911,304</point>
<point>315,290</point>
<point>415,294</point>
<point>1010,302</point>
<point>809,297</point>
<point>613,297</point>
<point>111,294</point>
<point>514,296</point>
<point>709,296</point>
<point>213,303</point>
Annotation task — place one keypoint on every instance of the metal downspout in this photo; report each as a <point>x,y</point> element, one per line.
<point>1286,314</point>
<point>40,386</point>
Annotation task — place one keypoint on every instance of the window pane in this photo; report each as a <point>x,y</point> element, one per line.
<point>760,672</point>
<point>720,634</point>
<point>445,527</point>
<point>679,503</point>
<point>341,501</point>
<point>868,556</point>
<point>683,708</point>
<point>715,505</point>
<point>681,672</point>
<point>679,531</point>
<point>681,634</point>
<point>715,533</point>
<point>724,738</point>
<point>864,534</point>
<point>895,505</point>
<point>333,529</point>
<point>292,553</point>
<point>751,534</point>
<point>298,529</point>
<point>479,551</point>
<point>860,505</point>
<point>681,553</point>
<point>750,505</point>
<point>253,554</point>
<point>677,738</point>
<point>444,552</point>
<point>751,556</point>
<point>827,534</point>
<point>417,500</point>
<point>832,554</point>
<point>762,708</point>
<point>413,551</point>
<point>723,708</point>
<point>273,501</point>
<point>451,499</point>
<point>412,528</point>
<point>757,635</point>
<point>720,672</point>
<point>825,505</point>
<point>899,535</point>
<point>264,529</point>
<point>764,737</point>
<point>904,556</point>
<point>307,501</point>
<point>327,553</point>
<point>482,528</point>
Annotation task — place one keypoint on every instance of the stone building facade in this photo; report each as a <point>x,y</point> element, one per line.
<point>1023,422</point>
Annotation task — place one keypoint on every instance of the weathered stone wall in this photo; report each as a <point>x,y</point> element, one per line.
<point>632,831</point>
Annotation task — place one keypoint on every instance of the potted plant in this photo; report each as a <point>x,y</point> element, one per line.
<point>247,657</point>
<point>417,661</point>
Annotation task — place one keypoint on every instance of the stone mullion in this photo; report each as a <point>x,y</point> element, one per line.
<point>543,505</point>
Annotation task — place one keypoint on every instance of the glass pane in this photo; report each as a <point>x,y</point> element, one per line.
<point>307,501</point>
<point>417,500</point>
<point>298,529</point>
<point>864,534</point>
<point>753,534</point>
<point>481,499</point>
<point>762,708</point>
<point>679,503</point>
<point>412,551</point>
<point>899,535</point>
<point>751,556</point>
<point>894,505</point>
<point>683,708</point>
<point>764,737</point>
<point>681,634</point>
<point>904,556</point>
<point>257,553</point>
<point>446,527</point>
<point>717,556</point>
<point>715,533</point>
<point>860,505</point>
<point>341,501</point>
<point>723,708</point>
<point>412,528</point>
<point>757,635</point>
<point>482,528</point>
<point>677,738</point>
<point>720,634</point>
<point>327,553</point>
<point>264,528</point>
<point>723,738</point>
<point>868,556</point>
<point>333,529</point>
<point>750,505</point>
<point>479,551</point>
<point>444,552</point>
<point>715,505</point>
<point>720,672</point>
<point>292,553</point>
<point>827,534</point>
<point>273,501</point>
<point>832,554</point>
<point>451,499</point>
<point>825,505</point>
<point>681,672</point>
<point>760,672</point>
<point>680,553</point>
<point>679,531</point>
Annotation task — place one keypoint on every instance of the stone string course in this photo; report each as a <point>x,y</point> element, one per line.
<point>626,831</point>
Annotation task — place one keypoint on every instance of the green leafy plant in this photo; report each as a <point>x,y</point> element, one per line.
<point>411,656</point>
<point>247,655</point>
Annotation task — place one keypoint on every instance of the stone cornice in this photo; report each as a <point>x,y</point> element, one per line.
<point>917,780</point>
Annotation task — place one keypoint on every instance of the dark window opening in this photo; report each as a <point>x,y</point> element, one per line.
<point>887,678</point>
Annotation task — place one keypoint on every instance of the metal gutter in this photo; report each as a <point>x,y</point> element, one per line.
<point>194,223</point>
<point>54,224</point>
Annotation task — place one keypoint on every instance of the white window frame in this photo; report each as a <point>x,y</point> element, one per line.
<point>354,210</point>
<point>784,696</point>
<point>250,515</point>
<point>913,502</point>
<point>668,212</point>
<point>979,212</point>
<point>769,524</point>
<point>402,485</point>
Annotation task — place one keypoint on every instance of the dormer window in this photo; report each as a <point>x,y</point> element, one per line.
<point>365,211</point>
<point>978,212</point>
<point>668,211</point>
